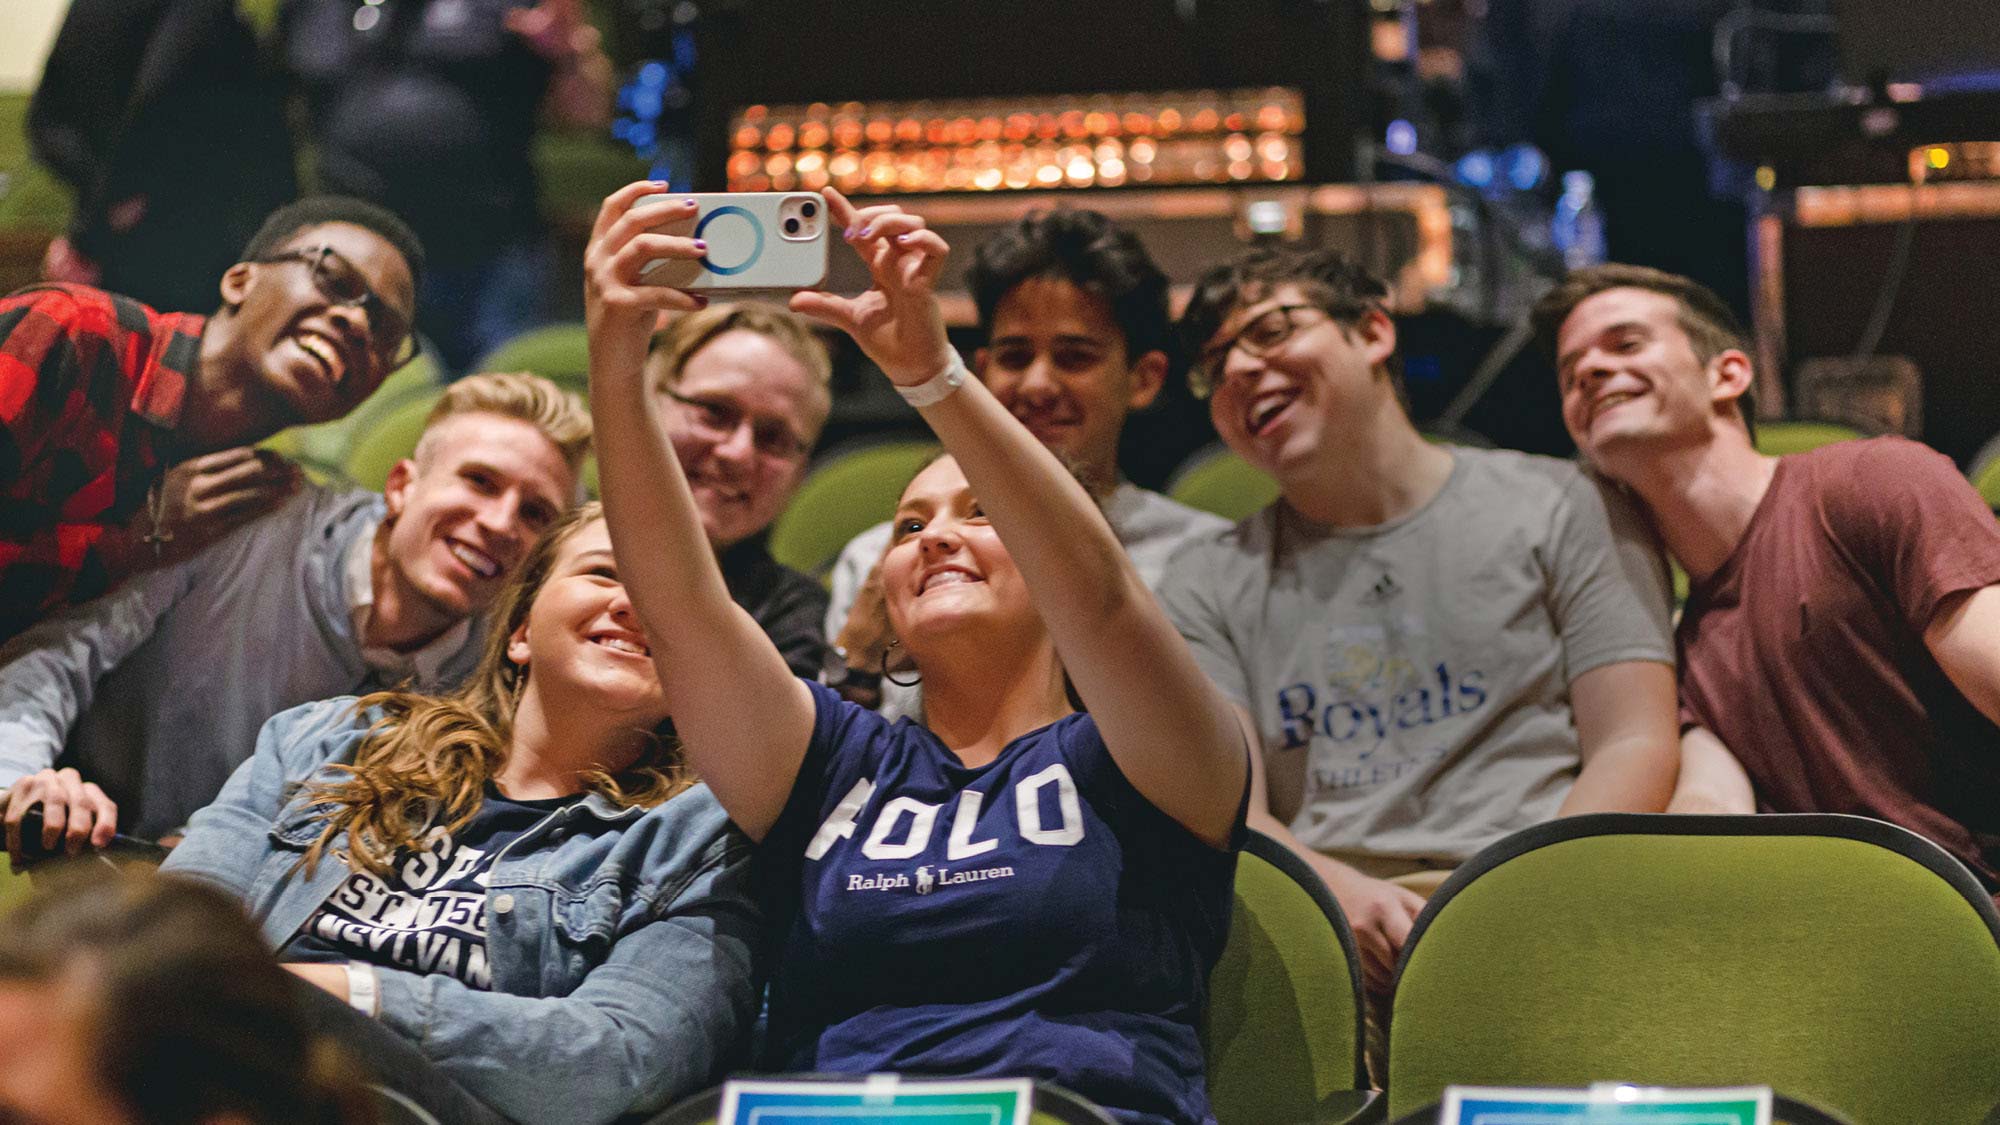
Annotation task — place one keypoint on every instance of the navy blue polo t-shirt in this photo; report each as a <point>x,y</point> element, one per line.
<point>1033,917</point>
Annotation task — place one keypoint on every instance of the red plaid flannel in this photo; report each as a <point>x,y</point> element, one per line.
<point>91,385</point>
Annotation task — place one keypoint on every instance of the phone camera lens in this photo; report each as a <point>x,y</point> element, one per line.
<point>791,226</point>
<point>809,209</point>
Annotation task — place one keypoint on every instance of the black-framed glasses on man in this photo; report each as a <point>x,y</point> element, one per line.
<point>394,341</point>
<point>718,419</point>
<point>1266,331</point>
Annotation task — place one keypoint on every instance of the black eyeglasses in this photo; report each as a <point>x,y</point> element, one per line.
<point>718,419</point>
<point>393,343</point>
<point>1266,332</point>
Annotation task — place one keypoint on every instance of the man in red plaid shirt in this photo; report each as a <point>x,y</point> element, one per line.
<point>99,394</point>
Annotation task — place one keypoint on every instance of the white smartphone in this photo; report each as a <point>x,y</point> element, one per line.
<point>758,242</point>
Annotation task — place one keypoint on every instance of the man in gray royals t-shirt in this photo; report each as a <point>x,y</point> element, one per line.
<point>1437,646</point>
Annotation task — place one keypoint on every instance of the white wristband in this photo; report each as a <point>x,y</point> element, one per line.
<point>362,994</point>
<point>938,387</point>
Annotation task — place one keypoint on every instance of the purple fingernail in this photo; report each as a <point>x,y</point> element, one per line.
<point>848,233</point>
<point>700,301</point>
<point>867,232</point>
<point>700,244</point>
<point>691,202</point>
<point>902,238</point>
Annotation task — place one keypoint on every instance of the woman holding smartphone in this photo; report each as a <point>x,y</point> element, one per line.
<point>520,881</point>
<point>1018,888</point>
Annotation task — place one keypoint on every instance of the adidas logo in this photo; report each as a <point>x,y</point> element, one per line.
<point>1385,587</point>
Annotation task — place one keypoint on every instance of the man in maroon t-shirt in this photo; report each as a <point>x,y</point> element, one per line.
<point>1841,638</point>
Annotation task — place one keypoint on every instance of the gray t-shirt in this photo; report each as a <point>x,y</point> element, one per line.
<point>1151,527</point>
<point>1411,680</point>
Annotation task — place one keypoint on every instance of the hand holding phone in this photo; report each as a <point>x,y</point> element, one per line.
<point>896,321</point>
<point>129,847</point>
<point>84,815</point>
<point>758,242</point>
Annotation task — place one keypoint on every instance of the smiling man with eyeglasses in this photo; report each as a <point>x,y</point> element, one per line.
<point>100,395</point>
<point>1437,645</point>
<point>745,390</point>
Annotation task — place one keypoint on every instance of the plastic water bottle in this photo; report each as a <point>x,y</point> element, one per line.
<point>1578,226</point>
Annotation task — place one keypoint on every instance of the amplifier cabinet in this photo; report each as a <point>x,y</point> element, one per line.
<point>1824,257</point>
<point>1400,231</point>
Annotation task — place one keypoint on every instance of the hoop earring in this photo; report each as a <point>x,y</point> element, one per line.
<point>893,642</point>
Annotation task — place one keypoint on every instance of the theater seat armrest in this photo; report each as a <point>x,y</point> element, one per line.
<point>1353,1107</point>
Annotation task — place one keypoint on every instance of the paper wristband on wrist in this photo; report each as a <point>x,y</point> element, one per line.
<point>938,387</point>
<point>361,991</point>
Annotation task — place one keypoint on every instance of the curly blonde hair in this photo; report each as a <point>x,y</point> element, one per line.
<point>426,762</point>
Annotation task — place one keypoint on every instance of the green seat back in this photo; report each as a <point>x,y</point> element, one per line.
<point>1217,480</point>
<point>324,448</point>
<point>559,353</point>
<point>847,493</point>
<point>1283,1028</point>
<point>13,887</point>
<point>1987,481</point>
<point>389,439</point>
<point>1839,960</point>
<point>1775,439</point>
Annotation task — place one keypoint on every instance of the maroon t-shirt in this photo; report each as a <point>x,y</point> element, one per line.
<point>1805,653</point>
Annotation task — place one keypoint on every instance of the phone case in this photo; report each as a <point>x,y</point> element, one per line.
<point>748,247</point>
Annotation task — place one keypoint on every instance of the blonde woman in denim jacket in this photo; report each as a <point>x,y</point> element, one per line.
<point>520,880</point>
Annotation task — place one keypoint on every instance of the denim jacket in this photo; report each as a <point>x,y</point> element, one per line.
<point>620,940</point>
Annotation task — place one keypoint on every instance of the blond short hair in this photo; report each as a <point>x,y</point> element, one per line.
<point>675,344</point>
<point>558,414</point>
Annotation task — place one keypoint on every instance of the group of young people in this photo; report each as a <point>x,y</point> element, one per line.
<point>553,793</point>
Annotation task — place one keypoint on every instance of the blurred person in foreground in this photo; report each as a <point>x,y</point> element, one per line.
<point>522,880</point>
<point>1840,647</point>
<point>431,108</point>
<point>145,109</point>
<point>100,395</point>
<point>139,999</point>
<point>128,713</point>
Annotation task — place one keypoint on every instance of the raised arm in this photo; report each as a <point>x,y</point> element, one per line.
<point>1171,733</point>
<point>742,716</point>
